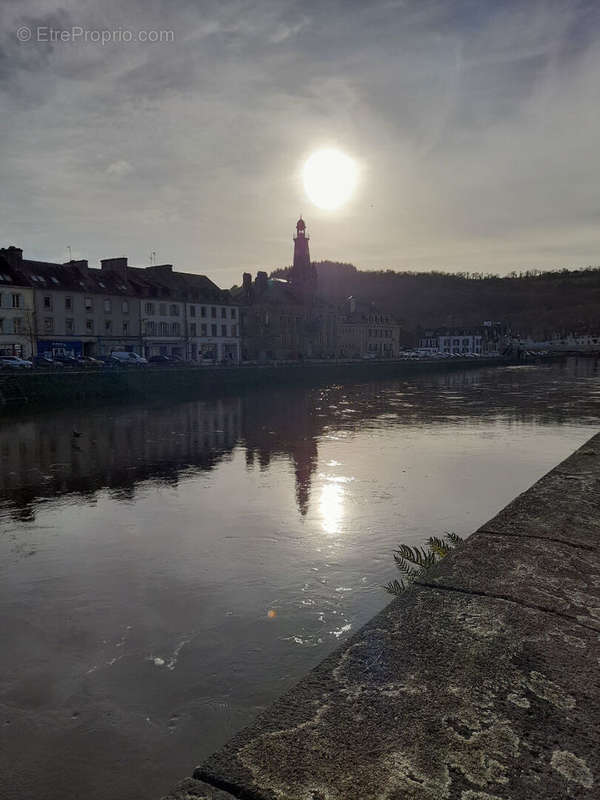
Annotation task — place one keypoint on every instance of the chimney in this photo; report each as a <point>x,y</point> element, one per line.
<point>80,265</point>
<point>117,265</point>
<point>261,283</point>
<point>14,255</point>
<point>247,284</point>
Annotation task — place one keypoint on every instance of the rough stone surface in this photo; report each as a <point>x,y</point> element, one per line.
<point>557,578</point>
<point>481,683</point>
<point>192,789</point>
<point>562,506</point>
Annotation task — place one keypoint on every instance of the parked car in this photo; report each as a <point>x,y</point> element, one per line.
<point>66,361</point>
<point>89,361</point>
<point>160,359</point>
<point>126,358</point>
<point>45,362</point>
<point>14,362</point>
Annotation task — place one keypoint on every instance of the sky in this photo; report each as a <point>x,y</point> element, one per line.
<point>475,126</point>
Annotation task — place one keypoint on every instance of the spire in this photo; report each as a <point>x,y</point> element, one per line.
<point>303,275</point>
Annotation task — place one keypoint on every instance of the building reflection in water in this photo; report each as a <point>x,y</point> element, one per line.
<point>81,453</point>
<point>283,425</point>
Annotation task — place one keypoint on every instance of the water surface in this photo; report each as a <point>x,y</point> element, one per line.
<point>171,570</point>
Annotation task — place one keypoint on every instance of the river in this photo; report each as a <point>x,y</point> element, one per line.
<point>168,570</point>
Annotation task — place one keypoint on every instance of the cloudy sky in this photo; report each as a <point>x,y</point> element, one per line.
<point>475,124</point>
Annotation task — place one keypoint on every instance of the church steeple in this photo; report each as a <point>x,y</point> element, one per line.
<point>303,274</point>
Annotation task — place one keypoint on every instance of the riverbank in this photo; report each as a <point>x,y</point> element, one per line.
<point>480,683</point>
<point>31,389</point>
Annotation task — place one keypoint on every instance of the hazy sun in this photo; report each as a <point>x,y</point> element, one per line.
<point>330,177</point>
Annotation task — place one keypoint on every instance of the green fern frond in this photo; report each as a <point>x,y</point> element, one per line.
<point>418,556</point>
<point>439,546</point>
<point>412,562</point>
<point>396,587</point>
<point>405,567</point>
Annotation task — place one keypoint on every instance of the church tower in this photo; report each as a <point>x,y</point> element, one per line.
<point>303,275</point>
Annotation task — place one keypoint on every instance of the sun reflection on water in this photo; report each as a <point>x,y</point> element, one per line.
<point>331,506</point>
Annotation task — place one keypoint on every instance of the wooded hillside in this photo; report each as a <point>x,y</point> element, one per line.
<point>530,302</point>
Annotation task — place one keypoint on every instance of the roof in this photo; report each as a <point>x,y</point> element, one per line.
<point>76,276</point>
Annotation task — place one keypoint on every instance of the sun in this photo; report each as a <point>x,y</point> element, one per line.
<point>330,178</point>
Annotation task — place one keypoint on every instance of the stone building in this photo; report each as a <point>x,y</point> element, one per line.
<point>17,335</point>
<point>364,331</point>
<point>72,309</point>
<point>485,339</point>
<point>201,321</point>
<point>284,319</point>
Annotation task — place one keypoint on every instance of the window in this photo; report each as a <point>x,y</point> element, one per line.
<point>234,330</point>
<point>174,310</point>
<point>162,309</point>
<point>68,303</point>
<point>125,306</point>
<point>107,325</point>
<point>69,326</point>
<point>150,328</point>
<point>213,312</point>
<point>203,331</point>
<point>223,329</point>
<point>174,329</point>
<point>48,325</point>
<point>233,314</point>
<point>17,325</point>
<point>202,311</point>
<point>193,329</point>
<point>164,329</point>
<point>107,306</point>
<point>149,308</point>
<point>213,330</point>
<point>88,304</point>
<point>223,313</point>
<point>192,311</point>
<point>47,302</point>
<point>1,325</point>
<point>89,325</point>
<point>125,328</point>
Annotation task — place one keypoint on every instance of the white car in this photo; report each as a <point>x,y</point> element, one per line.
<point>125,357</point>
<point>14,362</point>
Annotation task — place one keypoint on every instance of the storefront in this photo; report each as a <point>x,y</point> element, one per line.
<point>56,347</point>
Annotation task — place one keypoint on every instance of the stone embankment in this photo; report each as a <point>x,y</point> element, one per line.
<point>33,388</point>
<point>482,682</point>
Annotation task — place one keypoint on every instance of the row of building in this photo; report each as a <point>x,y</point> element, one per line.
<point>490,338</point>
<point>73,309</point>
<point>78,310</point>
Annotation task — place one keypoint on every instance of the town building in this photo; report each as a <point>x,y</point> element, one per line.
<point>285,319</point>
<point>17,335</point>
<point>74,310</point>
<point>482,340</point>
<point>364,331</point>
<point>201,322</point>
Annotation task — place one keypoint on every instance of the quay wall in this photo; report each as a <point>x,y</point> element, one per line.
<point>22,389</point>
<point>481,682</point>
